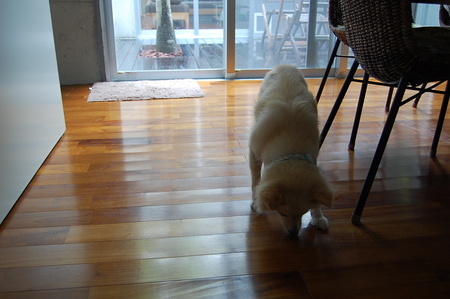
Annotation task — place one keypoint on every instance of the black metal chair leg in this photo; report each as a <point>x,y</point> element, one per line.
<point>359,108</point>
<point>338,102</point>
<point>389,98</point>
<point>327,70</point>
<point>440,122</point>
<point>416,101</point>
<point>356,217</point>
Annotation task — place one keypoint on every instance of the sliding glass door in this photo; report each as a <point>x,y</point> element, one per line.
<point>215,38</point>
<point>271,32</point>
<point>131,34</point>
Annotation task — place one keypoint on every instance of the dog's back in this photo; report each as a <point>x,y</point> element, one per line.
<point>286,115</point>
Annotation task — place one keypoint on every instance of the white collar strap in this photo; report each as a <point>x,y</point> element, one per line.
<point>296,157</point>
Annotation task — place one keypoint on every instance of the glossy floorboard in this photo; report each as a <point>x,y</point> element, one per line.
<point>150,199</point>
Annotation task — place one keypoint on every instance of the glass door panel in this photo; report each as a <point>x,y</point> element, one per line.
<point>426,14</point>
<point>199,34</point>
<point>258,34</point>
<point>271,32</point>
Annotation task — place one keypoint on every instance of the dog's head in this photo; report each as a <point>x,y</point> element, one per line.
<point>291,197</point>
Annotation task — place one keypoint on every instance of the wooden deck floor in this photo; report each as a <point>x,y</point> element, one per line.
<point>151,199</point>
<point>207,53</point>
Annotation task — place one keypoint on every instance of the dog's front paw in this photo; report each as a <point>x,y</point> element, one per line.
<point>253,205</point>
<point>320,222</point>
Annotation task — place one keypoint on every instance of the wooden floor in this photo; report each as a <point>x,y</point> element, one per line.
<point>151,199</point>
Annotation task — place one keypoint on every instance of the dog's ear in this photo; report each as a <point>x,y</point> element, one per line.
<point>272,197</point>
<point>323,193</point>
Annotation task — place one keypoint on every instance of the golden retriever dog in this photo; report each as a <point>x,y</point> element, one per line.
<point>285,139</point>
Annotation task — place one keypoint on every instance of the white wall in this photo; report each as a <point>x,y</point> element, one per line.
<point>31,112</point>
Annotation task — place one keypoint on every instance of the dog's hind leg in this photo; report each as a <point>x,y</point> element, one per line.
<point>255,170</point>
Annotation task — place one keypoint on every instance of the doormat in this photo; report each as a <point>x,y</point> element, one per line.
<point>144,90</point>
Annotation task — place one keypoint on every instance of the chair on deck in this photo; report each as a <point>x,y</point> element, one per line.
<point>383,41</point>
<point>275,14</point>
<point>288,40</point>
<point>290,34</point>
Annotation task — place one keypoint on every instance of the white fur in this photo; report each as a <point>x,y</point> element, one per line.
<point>286,123</point>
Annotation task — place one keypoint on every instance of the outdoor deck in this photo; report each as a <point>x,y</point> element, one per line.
<point>207,53</point>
